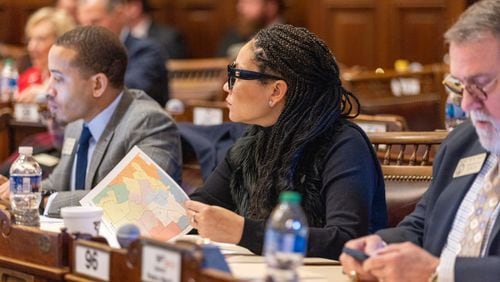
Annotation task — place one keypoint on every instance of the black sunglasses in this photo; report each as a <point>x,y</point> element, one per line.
<point>233,74</point>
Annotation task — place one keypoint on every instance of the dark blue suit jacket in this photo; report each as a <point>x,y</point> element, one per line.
<point>170,39</point>
<point>429,225</point>
<point>146,68</point>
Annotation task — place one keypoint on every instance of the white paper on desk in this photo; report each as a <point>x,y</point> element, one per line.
<point>51,224</point>
<point>138,191</point>
<point>225,248</point>
<point>257,271</point>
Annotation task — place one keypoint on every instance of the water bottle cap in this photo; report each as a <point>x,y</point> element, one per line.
<point>26,150</point>
<point>290,197</point>
<point>9,62</point>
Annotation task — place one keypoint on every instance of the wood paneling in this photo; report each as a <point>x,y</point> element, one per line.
<point>375,33</point>
<point>417,31</point>
<point>371,33</point>
<point>13,16</point>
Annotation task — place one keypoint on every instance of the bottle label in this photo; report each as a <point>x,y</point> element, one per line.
<point>276,241</point>
<point>25,184</point>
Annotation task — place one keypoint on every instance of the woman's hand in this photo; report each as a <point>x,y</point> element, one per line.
<point>215,223</point>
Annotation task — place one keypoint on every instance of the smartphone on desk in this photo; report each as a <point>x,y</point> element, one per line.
<point>356,254</point>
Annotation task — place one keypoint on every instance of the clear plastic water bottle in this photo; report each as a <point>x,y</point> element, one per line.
<point>454,115</point>
<point>25,188</point>
<point>8,82</point>
<point>285,241</point>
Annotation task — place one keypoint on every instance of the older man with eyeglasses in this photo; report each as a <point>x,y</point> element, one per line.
<point>454,232</point>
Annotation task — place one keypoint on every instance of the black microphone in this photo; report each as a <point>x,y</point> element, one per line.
<point>127,234</point>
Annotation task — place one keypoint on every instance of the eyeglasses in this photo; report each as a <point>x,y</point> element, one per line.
<point>233,74</point>
<point>477,91</point>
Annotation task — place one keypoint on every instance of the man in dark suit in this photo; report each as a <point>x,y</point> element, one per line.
<point>252,15</point>
<point>146,69</point>
<point>142,25</point>
<point>86,90</point>
<point>454,232</point>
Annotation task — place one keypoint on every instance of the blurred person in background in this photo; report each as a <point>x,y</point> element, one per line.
<point>42,29</point>
<point>142,25</point>
<point>146,68</point>
<point>252,15</point>
<point>69,6</point>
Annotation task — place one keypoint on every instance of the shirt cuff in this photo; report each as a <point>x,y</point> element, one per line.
<point>49,201</point>
<point>446,270</point>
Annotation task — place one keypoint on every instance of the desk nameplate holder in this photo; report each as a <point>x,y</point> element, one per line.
<point>144,260</point>
<point>41,254</point>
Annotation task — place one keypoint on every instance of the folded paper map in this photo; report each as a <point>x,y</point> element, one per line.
<point>138,191</point>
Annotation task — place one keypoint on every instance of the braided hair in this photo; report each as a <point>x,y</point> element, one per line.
<point>266,159</point>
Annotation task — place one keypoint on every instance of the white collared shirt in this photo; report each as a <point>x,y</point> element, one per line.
<point>96,126</point>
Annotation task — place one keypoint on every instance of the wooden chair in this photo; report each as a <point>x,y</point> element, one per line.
<point>410,147</point>
<point>418,96</point>
<point>198,112</point>
<point>408,170</point>
<point>198,79</point>
<point>381,123</point>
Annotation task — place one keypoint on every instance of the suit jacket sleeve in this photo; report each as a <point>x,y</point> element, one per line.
<point>146,69</point>
<point>421,226</point>
<point>141,123</point>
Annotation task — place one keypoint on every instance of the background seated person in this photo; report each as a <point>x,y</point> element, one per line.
<point>105,119</point>
<point>253,15</point>
<point>454,232</point>
<point>142,25</point>
<point>285,84</point>
<point>42,29</point>
<point>69,6</point>
<point>146,68</point>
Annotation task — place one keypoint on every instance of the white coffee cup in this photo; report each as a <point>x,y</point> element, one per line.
<point>82,219</point>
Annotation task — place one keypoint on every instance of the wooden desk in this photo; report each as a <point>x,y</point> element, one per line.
<point>253,268</point>
<point>31,254</point>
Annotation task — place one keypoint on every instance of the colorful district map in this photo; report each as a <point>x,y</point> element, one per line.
<point>138,191</point>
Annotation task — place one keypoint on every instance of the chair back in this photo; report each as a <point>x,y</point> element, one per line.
<point>407,169</point>
<point>198,79</point>
<point>409,147</point>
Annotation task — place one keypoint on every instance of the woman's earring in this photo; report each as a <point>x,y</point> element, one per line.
<point>271,103</point>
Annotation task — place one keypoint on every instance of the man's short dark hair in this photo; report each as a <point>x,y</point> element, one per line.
<point>98,51</point>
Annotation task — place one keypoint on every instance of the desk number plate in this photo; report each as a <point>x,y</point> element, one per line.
<point>92,262</point>
<point>160,264</point>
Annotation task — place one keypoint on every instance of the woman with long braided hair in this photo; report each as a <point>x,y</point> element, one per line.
<point>285,83</point>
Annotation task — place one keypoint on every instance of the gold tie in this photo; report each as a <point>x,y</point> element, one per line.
<point>479,221</point>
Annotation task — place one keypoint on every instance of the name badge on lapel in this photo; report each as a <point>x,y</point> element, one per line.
<point>69,144</point>
<point>469,165</point>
